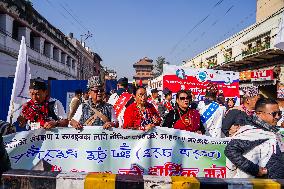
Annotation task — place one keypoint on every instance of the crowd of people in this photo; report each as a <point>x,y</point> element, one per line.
<point>253,126</point>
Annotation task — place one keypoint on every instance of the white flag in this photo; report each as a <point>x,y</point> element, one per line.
<point>20,91</point>
<point>279,41</point>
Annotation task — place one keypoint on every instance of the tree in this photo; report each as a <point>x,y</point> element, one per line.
<point>158,67</point>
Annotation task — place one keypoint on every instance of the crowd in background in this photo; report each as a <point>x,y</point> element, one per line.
<point>248,124</point>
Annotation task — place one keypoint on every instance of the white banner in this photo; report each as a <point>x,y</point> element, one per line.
<point>162,151</point>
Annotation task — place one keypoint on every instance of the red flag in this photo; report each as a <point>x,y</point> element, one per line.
<point>140,83</point>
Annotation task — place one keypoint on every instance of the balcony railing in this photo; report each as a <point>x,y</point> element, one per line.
<point>211,63</point>
<point>256,49</point>
<point>12,46</point>
<point>228,58</point>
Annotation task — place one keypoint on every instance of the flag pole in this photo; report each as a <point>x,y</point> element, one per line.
<point>20,91</point>
<point>12,113</point>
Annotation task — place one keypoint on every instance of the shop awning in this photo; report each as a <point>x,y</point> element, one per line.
<point>257,60</point>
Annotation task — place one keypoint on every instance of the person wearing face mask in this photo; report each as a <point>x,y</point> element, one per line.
<point>120,98</point>
<point>95,112</point>
<point>211,112</point>
<point>182,116</point>
<point>256,149</point>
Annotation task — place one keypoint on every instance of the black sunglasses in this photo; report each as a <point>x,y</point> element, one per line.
<point>274,114</point>
<point>183,98</point>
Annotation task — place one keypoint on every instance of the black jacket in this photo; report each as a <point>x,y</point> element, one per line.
<point>233,117</point>
<point>173,116</point>
<point>237,148</point>
<point>4,158</point>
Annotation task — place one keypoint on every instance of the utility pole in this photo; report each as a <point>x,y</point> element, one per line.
<point>86,36</point>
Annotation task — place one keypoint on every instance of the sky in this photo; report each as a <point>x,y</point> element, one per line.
<point>124,31</point>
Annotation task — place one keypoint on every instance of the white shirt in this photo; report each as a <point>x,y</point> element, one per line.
<point>214,124</point>
<point>58,109</point>
<point>113,98</point>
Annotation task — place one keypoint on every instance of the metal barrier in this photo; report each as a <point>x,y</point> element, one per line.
<point>24,179</point>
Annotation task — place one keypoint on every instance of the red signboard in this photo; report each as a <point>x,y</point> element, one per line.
<point>175,84</point>
<point>262,75</point>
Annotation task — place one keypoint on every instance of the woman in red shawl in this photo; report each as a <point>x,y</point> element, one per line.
<point>141,114</point>
<point>183,117</point>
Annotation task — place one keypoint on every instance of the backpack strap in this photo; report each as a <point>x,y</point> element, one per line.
<point>91,120</point>
<point>98,114</point>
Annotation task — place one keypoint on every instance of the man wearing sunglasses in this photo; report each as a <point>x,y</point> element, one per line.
<point>94,112</point>
<point>256,149</point>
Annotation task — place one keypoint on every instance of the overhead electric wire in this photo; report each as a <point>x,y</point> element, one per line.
<point>81,23</point>
<point>73,16</point>
<point>246,32</point>
<point>213,24</point>
<point>242,21</point>
<point>63,15</point>
<point>203,33</point>
<point>195,26</point>
<point>78,23</point>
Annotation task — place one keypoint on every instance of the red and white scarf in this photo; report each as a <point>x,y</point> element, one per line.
<point>36,112</point>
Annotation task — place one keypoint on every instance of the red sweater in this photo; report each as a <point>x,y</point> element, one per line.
<point>136,119</point>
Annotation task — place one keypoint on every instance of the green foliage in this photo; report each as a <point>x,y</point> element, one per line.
<point>158,67</point>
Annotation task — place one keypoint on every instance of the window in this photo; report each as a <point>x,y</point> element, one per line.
<point>249,46</point>
<point>258,43</point>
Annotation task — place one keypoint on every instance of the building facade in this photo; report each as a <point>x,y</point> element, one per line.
<point>110,74</point>
<point>50,53</point>
<point>251,52</point>
<point>266,8</point>
<point>144,71</point>
<point>89,63</point>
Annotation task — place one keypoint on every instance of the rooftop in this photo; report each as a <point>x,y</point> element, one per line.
<point>144,62</point>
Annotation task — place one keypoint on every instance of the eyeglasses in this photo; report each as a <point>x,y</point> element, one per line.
<point>274,114</point>
<point>183,98</point>
<point>98,90</point>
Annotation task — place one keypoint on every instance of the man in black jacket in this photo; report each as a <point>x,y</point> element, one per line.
<point>256,149</point>
<point>4,158</point>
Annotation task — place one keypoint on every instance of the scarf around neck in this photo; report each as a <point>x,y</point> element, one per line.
<point>36,112</point>
<point>263,125</point>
